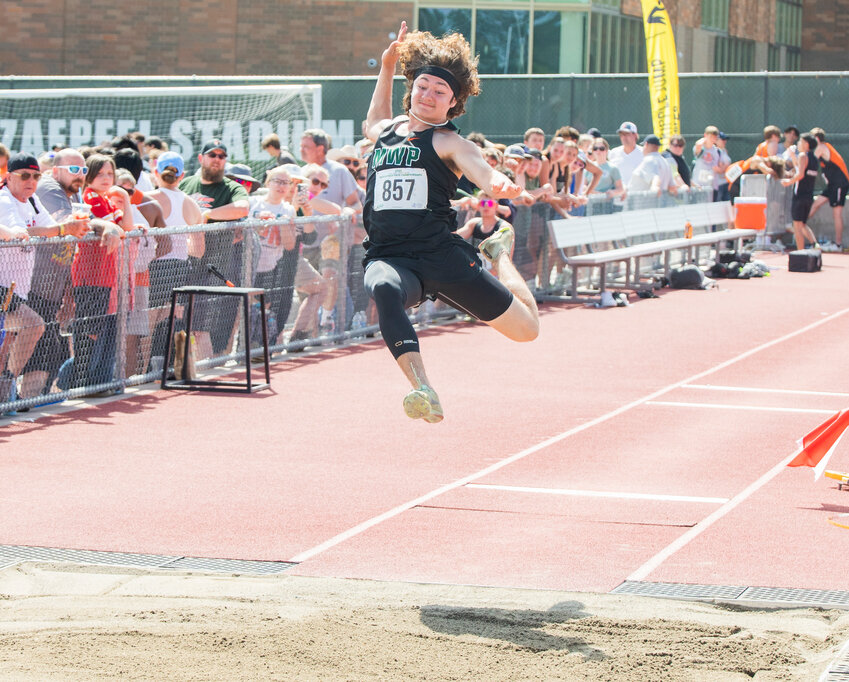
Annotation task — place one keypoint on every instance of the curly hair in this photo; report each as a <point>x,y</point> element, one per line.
<point>451,52</point>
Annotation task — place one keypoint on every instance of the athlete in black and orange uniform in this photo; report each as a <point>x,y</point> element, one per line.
<point>412,251</point>
<point>837,178</point>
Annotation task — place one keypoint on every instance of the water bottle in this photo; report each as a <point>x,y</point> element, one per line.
<point>358,321</point>
<point>688,230</point>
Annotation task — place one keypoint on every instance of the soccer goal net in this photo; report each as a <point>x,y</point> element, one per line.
<point>241,116</point>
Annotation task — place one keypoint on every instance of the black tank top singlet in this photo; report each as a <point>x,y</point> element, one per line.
<point>834,175</point>
<point>477,231</point>
<point>805,186</point>
<point>408,193</point>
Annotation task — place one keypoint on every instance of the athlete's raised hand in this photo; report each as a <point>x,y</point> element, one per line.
<point>390,54</point>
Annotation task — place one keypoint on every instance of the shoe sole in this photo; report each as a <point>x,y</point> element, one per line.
<point>417,406</point>
<point>509,249</point>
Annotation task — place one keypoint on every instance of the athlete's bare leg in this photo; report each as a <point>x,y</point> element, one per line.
<point>520,322</point>
<point>422,402</point>
<point>412,366</point>
<point>818,202</point>
<point>838,225</point>
<point>801,231</point>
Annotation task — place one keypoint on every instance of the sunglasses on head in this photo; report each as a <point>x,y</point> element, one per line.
<point>216,155</point>
<point>75,170</point>
<point>318,182</point>
<point>26,175</point>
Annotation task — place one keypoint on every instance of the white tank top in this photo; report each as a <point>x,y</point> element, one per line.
<point>179,242</point>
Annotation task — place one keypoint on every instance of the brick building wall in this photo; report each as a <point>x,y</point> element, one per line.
<point>825,35</point>
<point>203,37</point>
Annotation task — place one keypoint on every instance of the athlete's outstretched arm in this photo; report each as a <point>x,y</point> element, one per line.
<point>380,109</point>
<point>467,157</point>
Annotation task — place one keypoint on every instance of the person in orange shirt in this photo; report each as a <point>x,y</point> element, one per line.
<point>4,161</point>
<point>837,184</point>
<point>769,147</point>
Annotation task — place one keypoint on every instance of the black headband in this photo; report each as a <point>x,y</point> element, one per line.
<point>439,72</point>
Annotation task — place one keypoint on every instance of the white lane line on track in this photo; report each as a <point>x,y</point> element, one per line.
<point>600,493</point>
<point>751,389</point>
<point>716,406</point>
<point>401,508</point>
<point>704,524</point>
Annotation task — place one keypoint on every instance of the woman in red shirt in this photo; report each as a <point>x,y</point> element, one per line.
<point>94,278</point>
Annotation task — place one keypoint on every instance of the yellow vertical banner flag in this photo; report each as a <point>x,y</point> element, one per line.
<point>662,63</point>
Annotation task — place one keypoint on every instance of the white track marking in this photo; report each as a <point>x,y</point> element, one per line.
<point>717,406</point>
<point>703,525</point>
<point>600,493</point>
<point>750,389</point>
<point>844,651</point>
<point>385,516</point>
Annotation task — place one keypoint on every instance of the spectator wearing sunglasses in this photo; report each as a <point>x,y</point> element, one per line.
<point>675,155</point>
<point>326,256</point>
<point>220,199</point>
<point>482,226</point>
<point>23,214</point>
<point>51,295</point>
<point>610,183</point>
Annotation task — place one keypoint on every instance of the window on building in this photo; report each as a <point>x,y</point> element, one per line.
<point>786,53</point>
<point>440,21</point>
<point>559,42</point>
<point>715,14</point>
<point>501,40</point>
<point>788,22</point>
<point>506,41</point>
<point>617,44</point>
<point>734,54</point>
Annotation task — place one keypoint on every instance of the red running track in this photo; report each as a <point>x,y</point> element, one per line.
<point>618,445</point>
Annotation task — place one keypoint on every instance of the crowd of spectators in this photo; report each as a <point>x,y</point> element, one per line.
<point>135,183</point>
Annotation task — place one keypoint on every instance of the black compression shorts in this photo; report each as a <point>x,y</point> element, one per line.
<point>836,194</point>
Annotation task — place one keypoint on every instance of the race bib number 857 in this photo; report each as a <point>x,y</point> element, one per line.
<point>400,189</point>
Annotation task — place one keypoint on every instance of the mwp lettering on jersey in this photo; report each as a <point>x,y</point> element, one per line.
<point>401,155</point>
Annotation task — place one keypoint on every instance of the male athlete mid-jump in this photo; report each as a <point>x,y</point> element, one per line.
<point>412,252</point>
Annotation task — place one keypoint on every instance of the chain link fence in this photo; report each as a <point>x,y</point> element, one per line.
<point>85,321</point>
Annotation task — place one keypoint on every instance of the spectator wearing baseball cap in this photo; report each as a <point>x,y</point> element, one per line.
<point>628,155</point>
<point>241,173</point>
<point>220,199</point>
<point>595,132</point>
<point>654,173</point>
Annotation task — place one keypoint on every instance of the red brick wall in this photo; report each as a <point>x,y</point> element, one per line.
<point>203,37</point>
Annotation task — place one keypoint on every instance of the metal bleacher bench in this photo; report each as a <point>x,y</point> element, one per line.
<point>639,234</point>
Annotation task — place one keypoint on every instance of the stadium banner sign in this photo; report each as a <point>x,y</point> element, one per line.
<point>662,63</point>
<point>37,120</point>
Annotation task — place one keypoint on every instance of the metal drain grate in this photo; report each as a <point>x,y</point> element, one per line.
<point>830,599</point>
<point>228,565</point>
<point>838,599</point>
<point>14,554</point>
<point>679,590</point>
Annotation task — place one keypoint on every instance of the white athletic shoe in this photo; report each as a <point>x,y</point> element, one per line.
<point>498,241</point>
<point>423,403</point>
